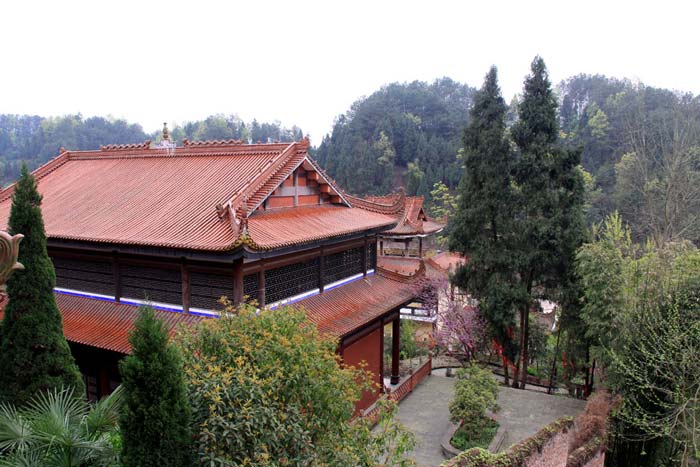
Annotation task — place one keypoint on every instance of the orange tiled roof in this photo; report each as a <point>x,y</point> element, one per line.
<point>446,261</point>
<point>399,264</point>
<point>412,219</point>
<point>104,324</point>
<point>201,196</point>
<point>342,310</point>
<point>277,228</point>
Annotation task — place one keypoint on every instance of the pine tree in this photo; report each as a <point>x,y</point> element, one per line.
<point>483,228</point>
<point>550,192</point>
<point>35,354</point>
<point>155,421</point>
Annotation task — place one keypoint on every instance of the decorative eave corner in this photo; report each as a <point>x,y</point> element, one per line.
<point>238,220</point>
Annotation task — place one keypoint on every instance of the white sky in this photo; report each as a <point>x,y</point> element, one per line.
<point>305,63</point>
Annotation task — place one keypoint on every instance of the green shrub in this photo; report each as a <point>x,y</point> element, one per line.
<point>35,355</point>
<point>476,390</point>
<point>475,435</point>
<point>267,390</point>
<point>155,420</point>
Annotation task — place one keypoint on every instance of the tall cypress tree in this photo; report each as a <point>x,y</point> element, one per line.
<point>483,227</point>
<point>155,421</point>
<point>550,188</point>
<point>35,354</point>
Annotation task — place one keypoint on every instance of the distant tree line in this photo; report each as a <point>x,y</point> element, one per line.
<point>640,147</point>
<point>403,134</point>
<point>35,140</point>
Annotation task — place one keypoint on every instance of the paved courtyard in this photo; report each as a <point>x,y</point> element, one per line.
<point>426,413</point>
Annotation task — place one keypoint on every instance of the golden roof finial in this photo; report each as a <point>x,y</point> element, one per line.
<point>166,134</point>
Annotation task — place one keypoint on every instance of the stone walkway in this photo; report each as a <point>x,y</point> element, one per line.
<point>524,412</point>
<point>426,413</point>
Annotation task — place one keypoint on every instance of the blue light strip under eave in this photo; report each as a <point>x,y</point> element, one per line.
<point>311,293</point>
<point>202,311</point>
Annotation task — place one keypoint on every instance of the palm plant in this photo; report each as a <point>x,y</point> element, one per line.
<point>58,429</point>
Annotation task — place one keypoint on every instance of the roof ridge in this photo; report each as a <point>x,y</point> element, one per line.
<point>39,173</point>
<point>125,147</point>
<point>397,207</point>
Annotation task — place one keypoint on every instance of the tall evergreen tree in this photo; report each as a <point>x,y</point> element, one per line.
<point>483,227</point>
<point>35,354</point>
<point>550,193</point>
<point>155,421</point>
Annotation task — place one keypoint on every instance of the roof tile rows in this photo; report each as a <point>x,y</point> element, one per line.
<point>342,310</point>
<point>175,198</point>
<point>106,324</point>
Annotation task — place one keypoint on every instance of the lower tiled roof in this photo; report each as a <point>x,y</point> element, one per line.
<point>403,265</point>
<point>105,324</point>
<point>342,310</point>
<point>278,228</point>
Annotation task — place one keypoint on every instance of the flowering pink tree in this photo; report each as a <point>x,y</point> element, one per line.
<point>460,327</point>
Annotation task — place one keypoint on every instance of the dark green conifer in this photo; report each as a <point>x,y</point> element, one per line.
<point>483,227</point>
<point>155,421</point>
<point>34,354</point>
<point>550,193</point>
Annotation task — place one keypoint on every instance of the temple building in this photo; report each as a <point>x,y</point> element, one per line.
<point>178,227</point>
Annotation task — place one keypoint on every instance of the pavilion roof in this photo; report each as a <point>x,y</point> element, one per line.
<point>412,220</point>
<point>201,196</point>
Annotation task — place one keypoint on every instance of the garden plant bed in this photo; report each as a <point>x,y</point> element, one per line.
<point>477,434</point>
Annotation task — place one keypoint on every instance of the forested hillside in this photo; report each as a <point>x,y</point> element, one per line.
<point>35,139</point>
<point>403,134</point>
<point>641,146</point>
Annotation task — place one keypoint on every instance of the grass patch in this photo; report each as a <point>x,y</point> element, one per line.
<point>475,434</point>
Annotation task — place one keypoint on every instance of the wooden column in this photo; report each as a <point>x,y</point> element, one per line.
<point>295,177</point>
<point>364,258</point>
<point>116,271</point>
<point>238,281</point>
<point>186,288</point>
<point>405,248</point>
<point>381,247</point>
<point>395,347</point>
<point>420,247</point>
<point>321,268</point>
<point>261,285</point>
<point>381,357</point>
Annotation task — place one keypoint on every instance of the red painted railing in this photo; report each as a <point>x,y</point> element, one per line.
<point>415,377</point>
<point>404,389</point>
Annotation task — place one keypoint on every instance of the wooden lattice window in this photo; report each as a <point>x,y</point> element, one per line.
<point>206,289</point>
<point>85,276</point>
<point>372,255</point>
<point>250,287</point>
<point>342,264</point>
<point>293,279</point>
<point>152,284</point>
